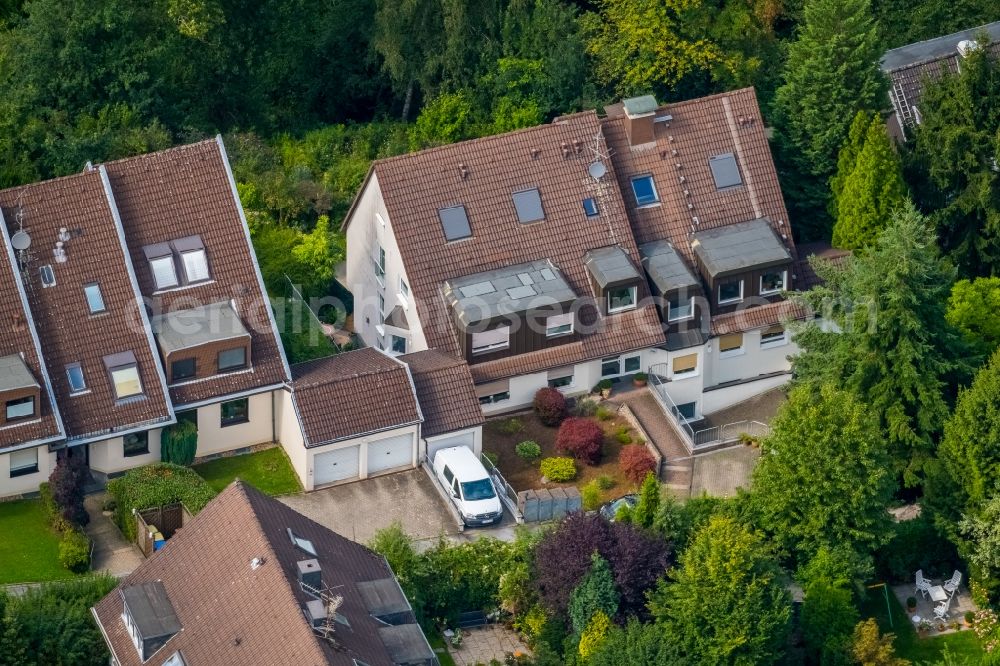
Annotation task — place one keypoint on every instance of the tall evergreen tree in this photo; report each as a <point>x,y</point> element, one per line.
<point>847,158</point>
<point>831,73</point>
<point>894,350</point>
<point>872,190</point>
<point>596,592</point>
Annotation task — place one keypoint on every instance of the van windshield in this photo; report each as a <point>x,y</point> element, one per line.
<point>478,490</point>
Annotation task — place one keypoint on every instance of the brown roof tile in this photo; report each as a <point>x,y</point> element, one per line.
<point>67,331</point>
<point>445,391</point>
<point>700,129</point>
<point>233,614</point>
<point>414,187</point>
<point>757,317</point>
<point>186,191</point>
<point>807,275</point>
<point>352,394</point>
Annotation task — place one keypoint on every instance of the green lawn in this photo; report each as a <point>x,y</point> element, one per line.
<point>29,549</point>
<point>268,471</point>
<point>437,641</point>
<point>962,644</point>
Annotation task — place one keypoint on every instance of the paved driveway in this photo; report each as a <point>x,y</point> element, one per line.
<point>359,509</point>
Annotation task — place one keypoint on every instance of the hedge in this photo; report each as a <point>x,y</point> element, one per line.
<point>154,486</point>
<point>74,551</point>
<point>558,469</point>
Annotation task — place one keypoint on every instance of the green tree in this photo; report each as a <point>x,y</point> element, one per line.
<point>824,478</point>
<point>970,449</point>
<point>839,565</point>
<point>893,351</point>
<point>830,74</point>
<point>594,634</point>
<point>179,443</point>
<point>972,309</point>
<point>828,619</point>
<point>956,148</point>
<point>445,119</point>
<point>870,648</point>
<point>726,605</point>
<point>637,644</point>
<point>847,158</point>
<point>596,593</point>
<point>981,534</point>
<point>648,507</point>
<point>872,190</point>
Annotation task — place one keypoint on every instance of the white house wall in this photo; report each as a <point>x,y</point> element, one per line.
<point>753,362</point>
<point>365,232</point>
<point>713,401</point>
<point>311,454</point>
<point>22,485</point>
<point>214,438</point>
<point>290,436</point>
<point>108,457</point>
<point>453,439</point>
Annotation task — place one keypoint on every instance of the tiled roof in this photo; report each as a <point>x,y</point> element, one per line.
<point>232,613</point>
<point>20,338</point>
<point>728,123</point>
<point>445,391</point>
<point>186,191</point>
<point>553,158</point>
<point>807,276</point>
<point>352,394</point>
<point>67,331</point>
<point>757,317</point>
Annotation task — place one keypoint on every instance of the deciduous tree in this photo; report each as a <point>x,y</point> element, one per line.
<point>972,309</point>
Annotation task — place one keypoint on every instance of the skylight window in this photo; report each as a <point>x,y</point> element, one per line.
<point>590,207</point>
<point>302,544</point>
<point>644,190</point>
<point>95,301</point>
<point>455,223</point>
<point>74,374</point>
<point>124,373</point>
<point>195,265</point>
<point>164,272</point>
<point>47,275</point>
<point>528,204</point>
<point>725,171</point>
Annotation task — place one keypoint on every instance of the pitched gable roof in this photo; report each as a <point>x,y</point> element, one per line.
<point>445,391</point>
<point>233,613</point>
<point>67,330</point>
<point>482,175</point>
<point>353,394</point>
<point>184,192</point>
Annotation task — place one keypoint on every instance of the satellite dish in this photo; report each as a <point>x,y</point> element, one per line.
<point>597,170</point>
<point>21,240</point>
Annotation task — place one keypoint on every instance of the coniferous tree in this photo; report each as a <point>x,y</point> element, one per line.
<point>847,158</point>
<point>595,593</point>
<point>871,191</point>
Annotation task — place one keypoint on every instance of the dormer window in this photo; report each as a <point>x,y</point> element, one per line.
<point>95,300</point>
<point>164,272</point>
<point>680,308</point>
<point>772,282</point>
<point>232,359</point>
<point>124,372</point>
<point>561,324</point>
<point>195,265</point>
<point>621,299</point>
<point>20,408</point>
<point>730,291</point>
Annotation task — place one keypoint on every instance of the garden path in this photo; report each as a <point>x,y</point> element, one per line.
<point>112,553</point>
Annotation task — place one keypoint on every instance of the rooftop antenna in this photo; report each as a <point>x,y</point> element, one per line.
<point>21,240</point>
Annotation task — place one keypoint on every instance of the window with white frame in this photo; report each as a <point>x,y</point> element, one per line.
<point>95,300</point>
<point>23,462</point>
<point>195,265</point>
<point>494,398</point>
<point>772,282</point>
<point>20,408</point>
<point>124,372</point>
<point>680,308</point>
<point>730,345</point>
<point>381,309</point>
<point>611,367</point>
<point>487,341</point>
<point>621,299</point>
<point>730,291</point>
<point>74,375</point>
<point>773,336</point>
<point>631,364</point>
<point>379,260</point>
<point>556,325</point>
<point>404,290</point>
<point>685,366</point>
<point>164,272</point>
<point>397,344</point>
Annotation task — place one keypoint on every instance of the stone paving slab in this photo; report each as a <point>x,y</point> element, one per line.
<point>112,553</point>
<point>720,473</point>
<point>483,644</point>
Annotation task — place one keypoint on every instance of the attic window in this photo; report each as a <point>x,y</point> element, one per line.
<point>644,190</point>
<point>124,372</point>
<point>48,276</point>
<point>304,545</point>
<point>455,223</point>
<point>95,301</point>
<point>725,171</point>
<point>164,272</point>
<point>590,207</point>
<point>528,204</point>
<point>195,265</point>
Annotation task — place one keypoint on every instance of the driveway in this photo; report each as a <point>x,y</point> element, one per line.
<point>359,509</point>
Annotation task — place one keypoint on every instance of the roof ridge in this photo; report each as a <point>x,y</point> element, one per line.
<point>58,179</point>
<point>157,153</point>
<point>945,36</point>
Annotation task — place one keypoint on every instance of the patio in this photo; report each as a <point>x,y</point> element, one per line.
<point>482,645</point>
<point>954,621</point>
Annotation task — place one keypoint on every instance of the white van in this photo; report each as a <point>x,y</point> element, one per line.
<point>464,477</point>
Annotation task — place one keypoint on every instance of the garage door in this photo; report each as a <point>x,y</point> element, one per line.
<point>465,439</point>
<point>390,453</point>
<point>336,465</point>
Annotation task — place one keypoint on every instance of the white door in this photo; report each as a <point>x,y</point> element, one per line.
<point>465,439</point>
<point>337,465</point>
<point>389,453</point>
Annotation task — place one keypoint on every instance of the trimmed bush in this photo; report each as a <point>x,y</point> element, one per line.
<point>605,482</point>
<point>178,443</point>
<point>623,437</point>
<point>528,450</point>
<point>511,426</point>
<point>156,485</point>
<point>66,483</point>
<point>558,469</point>
<point>550,406</point>
<point>585,407</point>
<point>605,414</point>
<point>590,495</point>
<point>636,462</point>
<point>74,551</point>
<point>582,438</point>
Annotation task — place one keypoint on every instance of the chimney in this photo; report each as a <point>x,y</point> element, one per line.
<point>640,116</point>
<point>310,575</point>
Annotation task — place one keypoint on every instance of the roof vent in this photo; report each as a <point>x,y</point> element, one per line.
<point>967,46</point>
<point>256,563</point>
<point>463,171</point>
<point>534,153</point>
<point>64,234</point>
<point>59,253</point>
<point>565,149</point>
<point>577,146</point>
<point>695,219</point>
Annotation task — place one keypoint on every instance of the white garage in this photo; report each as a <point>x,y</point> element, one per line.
<point>390,453</point>
<point>337,465</point>
<point>467,438</point>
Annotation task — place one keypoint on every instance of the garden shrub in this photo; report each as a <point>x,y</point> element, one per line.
<point>48,501</point>
<point>178,443</point>
<point>582,438</point>
<point>550,405</point>
<point>585,407</point>
<point>492,457</point>
<point>595,634</point>
<point>532,623</point>
<point>605,414</point>
<point>915,544</point>
<point>67,485</point>
<point>636,462</point>
<point>590,495</point>
<point>605,482</point>
<point>156,485</point>
<point>558,469</point>
<point>623,437</point>
<point>510,426</point>
<point>529,450</point>
<point>595,594</point>
<point>74,551</point>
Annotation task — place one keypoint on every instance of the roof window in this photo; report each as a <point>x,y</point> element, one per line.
<point>644,190</point>
<point>164,258</point>
<point>590,206</point>
<point>164,272</point>
<point>302,544</point>
<point>124,372</point>
<point>47,275</point>
<point>74,374</point>
<point>95,301</point>
<point>455,223</point>
<point>528,204</point>
<point>725,171</point>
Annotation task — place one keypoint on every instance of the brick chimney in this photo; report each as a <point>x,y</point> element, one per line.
<point>640,114</point>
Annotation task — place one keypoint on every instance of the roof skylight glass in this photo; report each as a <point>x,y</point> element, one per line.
<point>528,204</point>
<point>725,171</point>
<point>455,223</point>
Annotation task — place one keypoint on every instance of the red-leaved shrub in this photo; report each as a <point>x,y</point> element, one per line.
<point>636,462</point>
<point>550,405</point>
<point>582,438</point>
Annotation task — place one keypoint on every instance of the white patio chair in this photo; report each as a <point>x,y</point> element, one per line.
<point>923,585</point>
<point>952,585</point>
<point>941,610</point>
